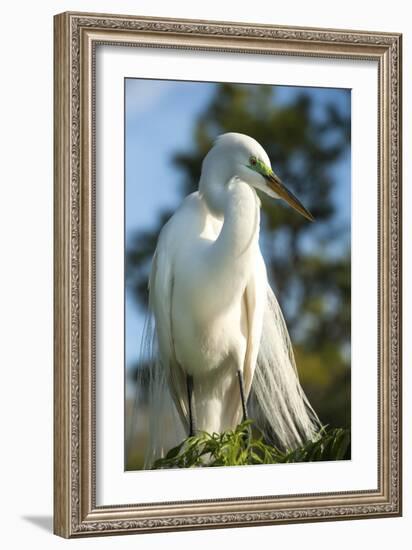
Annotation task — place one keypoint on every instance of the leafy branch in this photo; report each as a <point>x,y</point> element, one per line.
<point>239,448</point>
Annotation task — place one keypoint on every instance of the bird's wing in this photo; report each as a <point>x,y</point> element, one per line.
<point>161,284</point>
<point>160,302</point>
<point>253,308</point>
<point>254,300</point>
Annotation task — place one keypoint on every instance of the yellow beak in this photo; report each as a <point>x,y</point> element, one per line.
<point>277,186</point>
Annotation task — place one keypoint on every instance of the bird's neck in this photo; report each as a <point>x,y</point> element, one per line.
<point>231,257</point>
<point>241,223</point>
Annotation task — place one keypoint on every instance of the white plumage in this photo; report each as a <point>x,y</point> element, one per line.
<point>215,314</point>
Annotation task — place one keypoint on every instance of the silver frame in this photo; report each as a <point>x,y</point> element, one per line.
<point>76,37</point>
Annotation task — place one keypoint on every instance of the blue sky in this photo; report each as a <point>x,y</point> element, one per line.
<point>159,117</point>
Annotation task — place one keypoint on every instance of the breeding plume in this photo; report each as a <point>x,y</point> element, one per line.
<point>220,347</point>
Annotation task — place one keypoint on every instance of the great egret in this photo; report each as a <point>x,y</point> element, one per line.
<point>219,340</point>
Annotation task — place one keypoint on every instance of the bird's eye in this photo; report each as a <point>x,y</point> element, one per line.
<point>253,161</point>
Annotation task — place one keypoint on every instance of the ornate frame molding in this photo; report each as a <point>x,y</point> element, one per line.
<point>75,38</point>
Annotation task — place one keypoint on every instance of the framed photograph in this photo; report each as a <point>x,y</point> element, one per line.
<point>227,274</point>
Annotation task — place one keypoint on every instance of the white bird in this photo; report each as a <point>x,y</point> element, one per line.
<point>221,350</point>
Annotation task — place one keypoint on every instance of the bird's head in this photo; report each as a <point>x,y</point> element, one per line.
<point>238,155</point>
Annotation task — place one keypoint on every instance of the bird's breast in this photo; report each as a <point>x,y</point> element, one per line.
<point>206,341</point>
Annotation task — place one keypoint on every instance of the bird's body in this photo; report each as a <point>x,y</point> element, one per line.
<point>213,307</point>
<point>213,304</point>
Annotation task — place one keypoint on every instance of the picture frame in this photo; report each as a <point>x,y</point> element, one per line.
<point>76,38</point>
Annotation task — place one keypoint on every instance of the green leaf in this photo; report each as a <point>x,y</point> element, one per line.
<point>238,447</point>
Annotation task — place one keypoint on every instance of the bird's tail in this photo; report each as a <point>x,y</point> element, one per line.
<point>154,414</point>
<point>277,401</point>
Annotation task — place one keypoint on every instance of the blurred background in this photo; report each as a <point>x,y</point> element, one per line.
<point>169,127</point>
